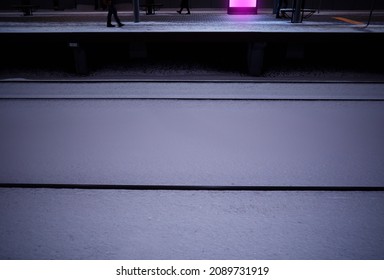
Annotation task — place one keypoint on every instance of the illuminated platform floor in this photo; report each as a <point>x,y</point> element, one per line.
<point>198,21</point>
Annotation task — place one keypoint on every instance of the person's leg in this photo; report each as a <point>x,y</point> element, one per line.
<point>275,4</point>
<point>278,9</point>
<point>116,17</point>
<point>109,17</point>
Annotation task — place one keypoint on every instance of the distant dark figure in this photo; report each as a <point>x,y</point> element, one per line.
<point>278,4</point>
<point>56,5</point>
<point>112,11</point>
<point>184,5</point>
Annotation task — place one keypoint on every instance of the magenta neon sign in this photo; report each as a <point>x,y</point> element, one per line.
<point>242,6</point>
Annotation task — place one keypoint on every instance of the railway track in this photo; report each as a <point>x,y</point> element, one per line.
<point>205,135</point>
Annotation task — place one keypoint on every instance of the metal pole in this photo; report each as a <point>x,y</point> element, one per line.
<point>296,15</point>
<point>136,10</point>
<point>370,14</point>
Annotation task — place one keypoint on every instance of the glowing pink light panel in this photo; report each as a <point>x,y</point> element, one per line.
<point>243,3</point>
<point>242,6</point>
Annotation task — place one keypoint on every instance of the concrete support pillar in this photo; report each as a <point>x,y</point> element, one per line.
<point>255,59</point>
<point>80,58</point>
<point>136,10</point>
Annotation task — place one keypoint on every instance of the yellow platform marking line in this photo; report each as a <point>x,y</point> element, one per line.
<point>349,20</point>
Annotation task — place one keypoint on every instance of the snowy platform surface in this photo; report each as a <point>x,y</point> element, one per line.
<point>199,21</point>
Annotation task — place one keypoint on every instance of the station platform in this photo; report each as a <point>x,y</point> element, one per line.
<point>78,28</point>
<point>199,21</point>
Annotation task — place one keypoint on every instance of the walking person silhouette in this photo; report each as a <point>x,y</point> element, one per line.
<point>184,5</point>
<point>278,4</point>
<point>112,11</point>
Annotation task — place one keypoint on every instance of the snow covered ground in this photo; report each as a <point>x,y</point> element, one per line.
<point>184,141</point>
<point>193,134</point>
<point>129,224</point>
